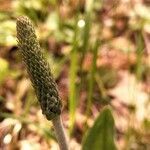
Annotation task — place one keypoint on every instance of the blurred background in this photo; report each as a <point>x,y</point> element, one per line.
<point>99,51</point>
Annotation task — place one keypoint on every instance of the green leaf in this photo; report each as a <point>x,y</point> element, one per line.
<point>3,69</point>
<point>101,135</point>
<point>7,30</point>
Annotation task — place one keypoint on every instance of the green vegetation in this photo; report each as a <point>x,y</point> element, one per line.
<point>101,135</point>
<point>98,52</point>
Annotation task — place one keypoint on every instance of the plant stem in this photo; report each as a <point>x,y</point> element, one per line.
<point>60,133</point>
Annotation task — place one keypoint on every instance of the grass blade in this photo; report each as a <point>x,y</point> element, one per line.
<point>92,79</point>
<point>72,78</point>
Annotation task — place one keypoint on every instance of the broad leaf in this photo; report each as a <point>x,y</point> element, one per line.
<point>101,135</point>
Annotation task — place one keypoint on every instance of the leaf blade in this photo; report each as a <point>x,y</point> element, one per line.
<point>101,135</point>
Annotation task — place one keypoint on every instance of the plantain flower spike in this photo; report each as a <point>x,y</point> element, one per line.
<point>38,69</point>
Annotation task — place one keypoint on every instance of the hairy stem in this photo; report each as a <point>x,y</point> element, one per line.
<point>60,133</point>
